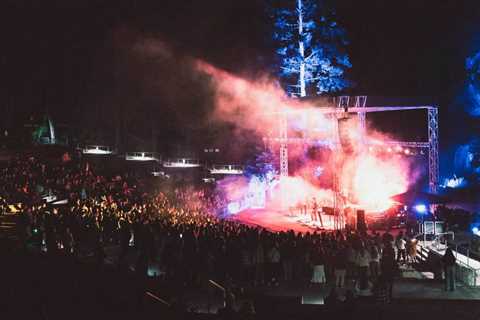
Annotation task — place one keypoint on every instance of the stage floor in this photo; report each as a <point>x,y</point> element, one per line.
<point>282,220</point>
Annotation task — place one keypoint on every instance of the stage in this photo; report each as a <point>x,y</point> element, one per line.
<point>283,220</point>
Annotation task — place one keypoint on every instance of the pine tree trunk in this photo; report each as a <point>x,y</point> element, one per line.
<point>301,50</point>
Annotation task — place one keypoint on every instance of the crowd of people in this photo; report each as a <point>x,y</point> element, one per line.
<point>179,230</point>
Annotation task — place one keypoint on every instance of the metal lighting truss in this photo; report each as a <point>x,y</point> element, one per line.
<point>342,110</point>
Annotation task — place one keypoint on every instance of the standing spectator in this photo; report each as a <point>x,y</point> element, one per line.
<point>363,263</point>
<point>274,265</point>
<point>259,264</point>
<point>388,267</point>
<point>349,303</point>
<point>351,264</point>
<point>340,265</point>
<point>247,264</point>
<point>374,262</point>
<point>401,248</point>
<point>449,261</point>
<point>318,261</point>
<point>412,251</point>
<point>380,291</point>
<point>287,259</point>
<point>332,299</point>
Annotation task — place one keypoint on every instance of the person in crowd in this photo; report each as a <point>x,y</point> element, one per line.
<point>340,270</point>
<point>412,251</point>
<point>350,302</point>
<point>363,262</point>
<point>380,291</point>
<point>388,267</point>
<point>318,262</point>
<point>274,265</point>
<point>332,300</point>
<point>259,263</point>
<point>287,254</point>
<point>351,262</point>
<point>400,244</point>
<point>449,262</point>
<point>374,261</point>
<point>247,311</point>
<point>247,264</point>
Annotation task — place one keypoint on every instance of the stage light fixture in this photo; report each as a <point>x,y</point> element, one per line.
<point>475,231</point>
<point>421,208</point>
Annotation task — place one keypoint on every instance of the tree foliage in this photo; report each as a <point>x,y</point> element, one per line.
<point>472,67</point>
<point>310,47</point>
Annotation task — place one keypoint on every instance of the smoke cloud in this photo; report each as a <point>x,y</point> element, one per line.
<point>365,177</point>
<point>253,109</point>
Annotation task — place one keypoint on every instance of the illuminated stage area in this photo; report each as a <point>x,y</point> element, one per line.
<point>281,220</point>
<point>323,155</point>
<point>321,150</point>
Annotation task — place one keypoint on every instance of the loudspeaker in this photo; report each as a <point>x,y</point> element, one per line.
<point>328,211</point>
<point>350,218</point>
<point>361,224</point>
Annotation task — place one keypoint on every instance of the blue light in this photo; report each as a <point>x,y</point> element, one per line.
<point>476,231</point>
<point>421,208</point>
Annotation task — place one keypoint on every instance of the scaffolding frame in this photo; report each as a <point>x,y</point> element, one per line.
<point>342,109</point>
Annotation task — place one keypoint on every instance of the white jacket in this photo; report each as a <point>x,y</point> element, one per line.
<point>363,261</point>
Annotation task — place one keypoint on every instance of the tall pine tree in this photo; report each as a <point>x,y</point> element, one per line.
<point>472,66</point>
<point>311,48</point>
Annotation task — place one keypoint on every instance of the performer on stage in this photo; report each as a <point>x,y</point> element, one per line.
<point>320,217</point>
<point>314,212</point>
<point>291,211</point>
<point>305,207</point>
<point>299,208</point>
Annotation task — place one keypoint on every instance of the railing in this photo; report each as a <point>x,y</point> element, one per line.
<point>92,149</point>
<point>466,250</point>
<point>221,288</point>
<point>142,156</point>
<point>468,269</point>
<point>437,240</point>
<point>226,169</point>
<point>182,163</point>
<point>158,299</point>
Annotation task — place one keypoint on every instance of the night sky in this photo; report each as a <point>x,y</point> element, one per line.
<point>80,60</point>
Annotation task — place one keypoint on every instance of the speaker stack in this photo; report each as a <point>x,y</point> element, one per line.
<point>344,135</point>
<point>361,224</point>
